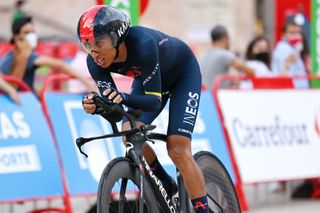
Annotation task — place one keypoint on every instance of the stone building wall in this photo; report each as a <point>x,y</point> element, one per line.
<point>190,20</point>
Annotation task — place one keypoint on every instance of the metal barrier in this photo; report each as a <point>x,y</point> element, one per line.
<point>48,82</point>
<point>17,81</point>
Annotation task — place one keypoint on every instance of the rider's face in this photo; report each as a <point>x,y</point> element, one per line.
<point>104,58</point>
<point>101,50</point>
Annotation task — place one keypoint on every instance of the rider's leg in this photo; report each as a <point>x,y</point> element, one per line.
<point>179,150</point>
<point>155,165</point>
<point>145,118</point>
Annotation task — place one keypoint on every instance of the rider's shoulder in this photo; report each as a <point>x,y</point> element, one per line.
<point>138,30</point>
<point>140,37</point>
<point>139,34</point>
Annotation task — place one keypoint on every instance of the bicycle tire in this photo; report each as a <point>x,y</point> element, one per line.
<point>117,169</point>
<point>222,196</point>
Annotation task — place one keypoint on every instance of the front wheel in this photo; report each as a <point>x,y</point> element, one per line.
<point>222,196</point>
<point>119,189</point>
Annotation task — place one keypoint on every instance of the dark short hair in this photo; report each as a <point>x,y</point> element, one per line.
<point>19,3</point>
<point>19,23</point>
<point>288,22</point>
<point>218,32</point>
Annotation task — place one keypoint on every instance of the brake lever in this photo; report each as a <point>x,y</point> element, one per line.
<point>81,141</point>
<point>153,142</point>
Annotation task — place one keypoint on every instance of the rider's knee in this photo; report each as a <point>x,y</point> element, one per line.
<point>178,153</point>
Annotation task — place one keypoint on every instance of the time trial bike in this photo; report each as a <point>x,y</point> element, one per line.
<point>127,183</point>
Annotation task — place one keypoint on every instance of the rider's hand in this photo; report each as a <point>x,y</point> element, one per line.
<point>88,104</point>
<point>113,95</point>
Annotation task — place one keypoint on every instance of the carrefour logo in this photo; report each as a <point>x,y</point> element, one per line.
<point>276,133</point>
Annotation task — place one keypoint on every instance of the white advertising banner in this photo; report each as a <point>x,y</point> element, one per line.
<point>274,134</point>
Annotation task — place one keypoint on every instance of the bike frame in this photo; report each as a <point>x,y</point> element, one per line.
<point>133,152</point>
<point>136,137</point>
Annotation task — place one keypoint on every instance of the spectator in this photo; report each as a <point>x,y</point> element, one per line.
<point>301,19</point>
<point>305,54</point>
<point>287,59</point>
<point>258,56</point>
<point>219,59</point>
<point>20,9</point>
<point>11,91</point>
<point>22,61</point>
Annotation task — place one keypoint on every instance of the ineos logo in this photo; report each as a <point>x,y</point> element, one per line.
<point>103,84</point>
<point>191,108</point>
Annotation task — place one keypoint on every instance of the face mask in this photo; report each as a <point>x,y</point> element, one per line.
<point>32,39</point>
<point>294,41</point>
<point>263,57</point>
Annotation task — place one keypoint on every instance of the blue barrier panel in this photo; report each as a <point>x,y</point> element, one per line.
<point>70,121</point>
<point>28,162</point>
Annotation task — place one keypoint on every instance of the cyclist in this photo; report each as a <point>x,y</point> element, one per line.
<point>163,67</point>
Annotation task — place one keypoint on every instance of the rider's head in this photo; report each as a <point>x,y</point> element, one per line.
<point>101,29</point>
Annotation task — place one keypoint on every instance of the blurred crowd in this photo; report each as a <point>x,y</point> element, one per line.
<point>290,56</point>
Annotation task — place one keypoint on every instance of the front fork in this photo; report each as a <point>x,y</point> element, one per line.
<point>138,163</point>
<point>122,197</point>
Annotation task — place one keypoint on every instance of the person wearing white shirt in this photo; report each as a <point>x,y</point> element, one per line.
<point>258,56</point>
<point>287,58</point>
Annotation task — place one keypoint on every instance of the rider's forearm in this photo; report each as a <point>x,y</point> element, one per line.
<point>143,102</point>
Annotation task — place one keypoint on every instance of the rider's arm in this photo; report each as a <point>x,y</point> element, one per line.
<point>151,81</point>
<point>143,102</point>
